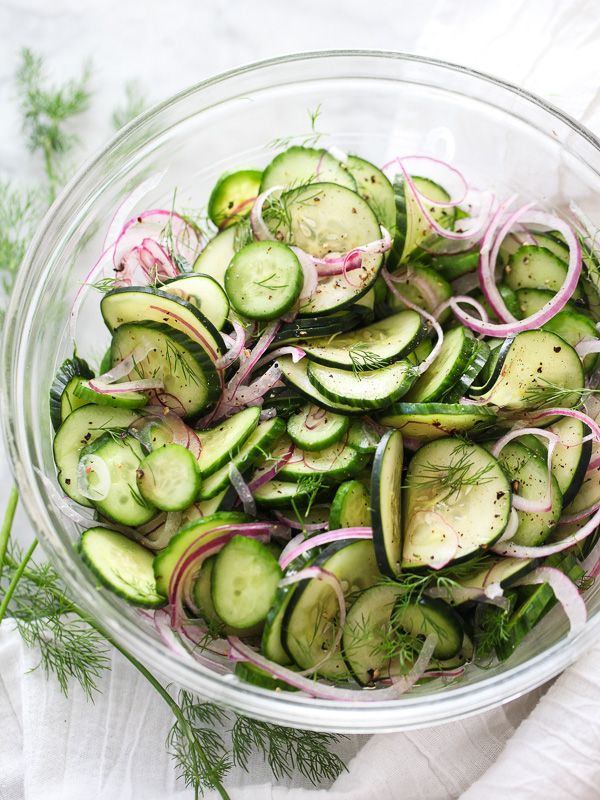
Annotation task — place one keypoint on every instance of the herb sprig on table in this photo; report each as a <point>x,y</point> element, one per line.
<point>205,740</point>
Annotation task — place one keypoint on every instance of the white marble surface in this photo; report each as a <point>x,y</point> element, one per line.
<point>548,46</point>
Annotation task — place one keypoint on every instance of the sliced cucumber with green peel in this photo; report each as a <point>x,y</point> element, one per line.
<point>297,165</point>
<point>366,390</point>
<point>82,427</point>
<point>309,623</point>
<point>244,582</point>
<point>201,593</point>
<point>188,373</point>
<point>145,304</point>
<point>62,397</point>
<point>202,291</point>
<point>83,391</point>
<point>457,501</point>
<point>219,444</point>
<point>534,267</point>
<point>373,186</point>
<point>123,566</point>
<point>533,367</point>
<point>260,441</point>
<point>386,503</point>
<point>366,632</point>
<point>528,474</point>
<point>314,428</point>
<point>295,377</point>
<point>575,328</point>
<point>570,459</point>
<point>446,370</point>
<point>337,463</point>
<point>455,265</point>
<point>423,287</point>
<point>256,676</point>
<point>216,256</point>
<point>281,494</point>
<point>233,195</point>
<point>412,227</point>
<point>169,477</point>
<point>499,570</point>
<point>116,461</point>
<point>428,615</point>
<point>351,507</point>
<point>427,421</point>
<point>385,342</point>
<point>264,280</point>
<point>203,531</point>
<point>474,366</point>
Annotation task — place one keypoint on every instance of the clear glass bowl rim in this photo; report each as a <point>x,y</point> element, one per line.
<point>409,712</point>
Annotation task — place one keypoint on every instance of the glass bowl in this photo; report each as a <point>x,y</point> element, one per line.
<point>376,104</point>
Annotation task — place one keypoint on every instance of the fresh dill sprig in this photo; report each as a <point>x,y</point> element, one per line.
<point>545,394</point>
<point>104,285</point>
<point>177,362</point>
<point>286,749</point>
<point>363,359</point>
<point>493,629</point>
<point>450,478</point>
<point>243,234</point>
<point>276,211</point>
<point>43,615</point>
<point>135,103</point>
<point>305,139</point>
<point>117,432</point>
<point>309,485</point>
<point>20,212</point>
<point>270,286</point>
<point>46,113</point>
<point>198,749</point>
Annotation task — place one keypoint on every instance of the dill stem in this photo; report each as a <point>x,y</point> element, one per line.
<point>48,151</point>
<point>15,579</point>
<point>7,524</point>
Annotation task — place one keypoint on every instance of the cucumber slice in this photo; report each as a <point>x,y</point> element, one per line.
<point>412,228</point>
<point>244,582</point>
<point>188,372</point>
<point>295,376</point>
<point>373,186</point>
<point>457,501</point>
<point>337,463</point>
<point>204,292</point>
<point>455,265</point>
<point>363,437</point>
<point>474,366</point>
<point>219,444</point>
<point>201,592</point>
<point>528,474</point>
<point>329,220</point>
<point>145,304</point>
<point>531,368</point>
<point>120,459</point>
<point>232,197</point>
<point>574,328</point>
<point>428,421</point>
<point>534,267</point>
<point>365,632</point>
<point>386,485</point>
<point>216,256</point>
<point>123,566</point>
<point>82,427</point>
<point>169,478</point>
<point>62,397</point>
<point>570,460</point>
<point>423,287</point>
<point>429,615</point>
<point>351,507</point>
<point>301,164</point>
<point>366,390</point>
<point>313,428</point>
<point>202,531</point>
<point>446,370</point>
<point>281,494</point>
<point>83,391</point>
<point>499,570</point>
<point>388,340</point>
<point>530,301</point>
<point>309,623</point>
<point>256,445</point>
<point>264,280</point>
<point>250,673</point>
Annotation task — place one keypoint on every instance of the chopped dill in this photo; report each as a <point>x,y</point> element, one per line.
<point>363,359</point>
<point>304,139</point>
<point>459,472</point>
<point>270,286</point>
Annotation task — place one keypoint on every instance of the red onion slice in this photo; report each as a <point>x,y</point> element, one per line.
<point>162,226</point>
<point>309,269</point>
<point>299,526</point>
<point>242,489</point>
<point>305,545</point>
<point>122,214</point>
<point>320,574</point>
<point>128,364</point>
<point>565,591</point>
<point>236,347</point>
<point>461,298</point>
<point>127,386</point>
<point>257,223</point>
<point>424,365</point>
<point>404,683</point>
<point>555,304</point>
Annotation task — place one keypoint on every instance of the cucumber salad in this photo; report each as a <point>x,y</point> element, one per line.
<point>347,439</point>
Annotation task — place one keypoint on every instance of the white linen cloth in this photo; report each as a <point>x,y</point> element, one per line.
<point>51,747</point>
